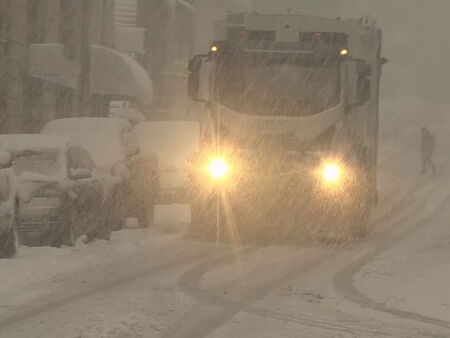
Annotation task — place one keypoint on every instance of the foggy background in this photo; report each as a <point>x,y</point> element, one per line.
<point>416,37</point>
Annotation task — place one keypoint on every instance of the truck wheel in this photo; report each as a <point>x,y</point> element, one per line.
<point>8,244</point>
<point>364,199</point>
<point>360,214</point>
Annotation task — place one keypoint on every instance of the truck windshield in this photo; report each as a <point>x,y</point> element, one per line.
<point>271,89</point>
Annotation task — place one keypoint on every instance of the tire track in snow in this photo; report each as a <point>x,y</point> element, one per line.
<point>42,307</point>
<point>190,284</point>
<point>344,284</point>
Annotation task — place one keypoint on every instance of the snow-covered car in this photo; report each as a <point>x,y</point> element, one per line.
<point>58,197</point>
<point>8,207</point>
<point>129,176</point>
<point>174,143</point>
<point>131,115</point>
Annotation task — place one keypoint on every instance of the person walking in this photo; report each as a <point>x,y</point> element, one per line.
<point>427,148</point>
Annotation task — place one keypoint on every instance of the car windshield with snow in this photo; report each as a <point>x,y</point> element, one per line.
<point>40,162</point>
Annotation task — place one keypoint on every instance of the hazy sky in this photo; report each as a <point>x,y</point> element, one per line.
<point>416,36</point>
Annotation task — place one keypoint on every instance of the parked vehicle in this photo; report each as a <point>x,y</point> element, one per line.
<point>130,115</point>
<point>174,143</point>
<point>58,197</point>
<point>130,179</point>
<point>8,207</point>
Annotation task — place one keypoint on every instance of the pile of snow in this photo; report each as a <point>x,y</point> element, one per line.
<point>173,142</point>
<point>39,271</point>
<point>172,217</point>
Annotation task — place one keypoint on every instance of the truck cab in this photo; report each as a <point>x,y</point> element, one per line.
<point>301,93</point>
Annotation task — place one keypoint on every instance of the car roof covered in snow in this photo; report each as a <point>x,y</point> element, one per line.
<point>92,123</point>
<point>31,142</point>
<point>100,136</point>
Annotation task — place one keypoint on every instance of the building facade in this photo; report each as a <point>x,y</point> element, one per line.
<point>47,58</point>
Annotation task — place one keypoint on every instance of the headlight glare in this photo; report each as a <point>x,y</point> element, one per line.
<point>218,168</point>
<point>332,173</point>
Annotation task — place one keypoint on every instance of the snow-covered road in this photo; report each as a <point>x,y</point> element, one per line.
<point>155,283</point>
<point>392,285</point>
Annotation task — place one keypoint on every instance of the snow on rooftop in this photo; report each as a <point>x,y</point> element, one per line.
<point>35,142</point>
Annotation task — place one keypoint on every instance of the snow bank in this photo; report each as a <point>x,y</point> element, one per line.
<point>39,271</point>
<point>173,217</point>
<point>174,142</point>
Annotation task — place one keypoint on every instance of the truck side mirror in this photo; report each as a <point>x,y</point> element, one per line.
<point>199,78</point>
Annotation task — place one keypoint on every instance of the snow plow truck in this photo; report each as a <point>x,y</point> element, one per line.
<point>289,128</point>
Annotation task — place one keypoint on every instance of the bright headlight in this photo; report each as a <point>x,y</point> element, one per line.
<point>218,168</point>
<point>332,173</point>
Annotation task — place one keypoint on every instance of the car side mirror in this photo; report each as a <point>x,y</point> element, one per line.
<point>79,174</point>
<point>133,150</point>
